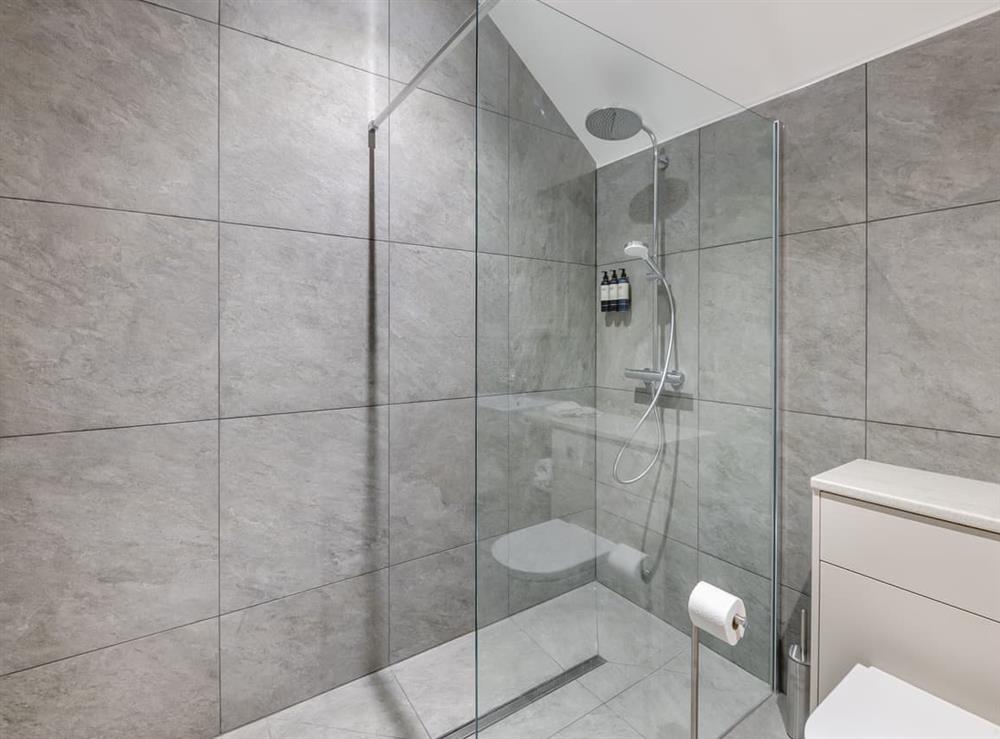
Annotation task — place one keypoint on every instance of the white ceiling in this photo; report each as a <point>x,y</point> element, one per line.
<point>746,52</point>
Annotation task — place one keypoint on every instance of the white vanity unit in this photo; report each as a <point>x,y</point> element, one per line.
<point>906,579</point>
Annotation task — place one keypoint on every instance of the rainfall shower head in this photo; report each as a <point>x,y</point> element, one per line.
<point>614,124</point>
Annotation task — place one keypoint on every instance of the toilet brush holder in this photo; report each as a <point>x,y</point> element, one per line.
<point>794,703</point>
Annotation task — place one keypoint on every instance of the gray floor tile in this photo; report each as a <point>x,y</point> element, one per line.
<point>764,723</point>
<point>546,716</point>
<point>601,723</point>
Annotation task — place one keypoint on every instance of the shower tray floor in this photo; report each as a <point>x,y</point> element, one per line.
<point>641,692</point>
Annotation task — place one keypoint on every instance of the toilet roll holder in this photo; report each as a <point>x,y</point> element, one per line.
<point>738,622</point>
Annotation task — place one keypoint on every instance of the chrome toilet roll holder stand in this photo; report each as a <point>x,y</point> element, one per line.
<point>738,622</point>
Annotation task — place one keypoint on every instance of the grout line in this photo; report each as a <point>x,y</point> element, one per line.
<point>110,646</point>
<point>155,4</point>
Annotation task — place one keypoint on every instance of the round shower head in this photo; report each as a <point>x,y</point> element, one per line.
<point>636,250</point>
<point>614,124</point>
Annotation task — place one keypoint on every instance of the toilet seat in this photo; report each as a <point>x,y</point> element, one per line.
<point>871,704</point>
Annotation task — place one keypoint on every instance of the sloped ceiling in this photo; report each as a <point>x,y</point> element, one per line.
<point>684,63</point>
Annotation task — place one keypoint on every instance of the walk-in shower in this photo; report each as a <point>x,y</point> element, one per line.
<point>618,124</point>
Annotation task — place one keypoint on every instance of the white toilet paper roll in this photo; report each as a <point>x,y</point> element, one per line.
<point>626,562</point>
<point>714,611</point>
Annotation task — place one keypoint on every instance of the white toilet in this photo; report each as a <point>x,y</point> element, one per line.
<point>870,703</point>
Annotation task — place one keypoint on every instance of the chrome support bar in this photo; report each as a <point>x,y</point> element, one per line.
<point>675,378</point>
<point>485,6</point>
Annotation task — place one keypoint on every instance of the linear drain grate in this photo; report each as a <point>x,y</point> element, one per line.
<point>525,699</point>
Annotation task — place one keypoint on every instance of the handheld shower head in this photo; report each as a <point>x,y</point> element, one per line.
<point>638,250</point>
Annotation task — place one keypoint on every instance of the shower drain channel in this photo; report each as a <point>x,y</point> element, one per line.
<point>525,699</point>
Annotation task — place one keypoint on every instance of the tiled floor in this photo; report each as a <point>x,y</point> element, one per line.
<point>641,693</point>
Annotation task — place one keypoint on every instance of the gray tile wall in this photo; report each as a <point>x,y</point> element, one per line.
<point>237,375</point>
<point>890,288</point>
<point>891,273</point>
<point>704,510</point>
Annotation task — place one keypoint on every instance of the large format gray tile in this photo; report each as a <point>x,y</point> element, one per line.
<point>293,648</point>
<point>528,101</point>
<point>492,464</point>
<point>304,321</point>
<point>492,330</point>
<point>933,309</point>
<point>823,307</point>
<point>666,499</point>
<point>417,29</point>
<point>492,183</point>
<point>207,9</point>
<point>432,324</point>
<point>433,600</point>
<point>753,652</point>
<point>105,536</point>
<point>625,200</point>
<point>674,568</point>
<point>734,497</point>
<point>735,165</point>
<point>441,683</point>
<point>810,445</point>
<point>371,705</point>
<point>305,501</point>
<point>624,338</point>
<point>109,103</point>
<point>932,122</point>
<point>551,453</point>
<point>549,714</point>
<point>735,323</point>
<point>601,723</point>
<point>355,32</point>
<point>106,318</point>
<point>595,620</point>
<point>552,331</point>
<point>295,150</point>
<point>492,66</point>
<point>432,448</point>
<point>764,723</point>
<point>659,706</point>
<point>822,152</point>
<point>946,452</point>
<point>433,174</point>
<point>160,686</point>
<point>551,196</point>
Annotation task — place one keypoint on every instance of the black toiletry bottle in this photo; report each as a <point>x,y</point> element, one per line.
<point>613,291</point>
<point>605,289</point>
<point>624,292</point>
